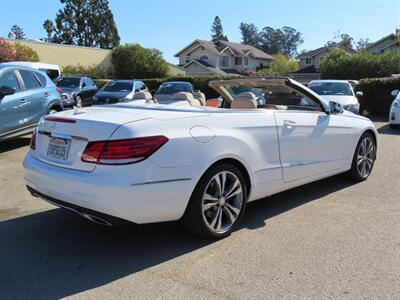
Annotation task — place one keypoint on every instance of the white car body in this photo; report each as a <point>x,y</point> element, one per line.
<point>394,115</point>
<point>349,102</point>
<point>278,149</point>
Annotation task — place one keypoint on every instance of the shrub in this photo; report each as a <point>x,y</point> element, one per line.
<point>25,53</point>
<point>281,66</point>
<point>376,93</point>
<point>339,64</point>
<point>94,72</point>
<point>134,61</point>
<point>7,52</point>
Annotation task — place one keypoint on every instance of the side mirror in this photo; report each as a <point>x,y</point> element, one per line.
<point>359,94</point>
<point>5,91</point>
<point>83,84</point>
<point>394,93</point>
<point>335,108</point>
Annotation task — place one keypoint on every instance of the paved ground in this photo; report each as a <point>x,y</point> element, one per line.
<point>329,239</point>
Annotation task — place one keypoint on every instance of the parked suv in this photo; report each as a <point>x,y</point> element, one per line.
<point>76,90</point>
<point>25,96</point>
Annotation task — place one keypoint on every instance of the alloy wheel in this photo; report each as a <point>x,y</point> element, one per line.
<point>365,157</point>
<point>222,201</point>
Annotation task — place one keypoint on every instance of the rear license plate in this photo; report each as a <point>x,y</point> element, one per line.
<point>58,148</point>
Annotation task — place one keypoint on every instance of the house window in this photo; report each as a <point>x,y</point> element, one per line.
<point>308,61</point>
<point>238,61</point>
<point>261,66</point>
<point>203,57</point>
<point>224,61</point>
<point>246,61</point>
<point>187,58</point>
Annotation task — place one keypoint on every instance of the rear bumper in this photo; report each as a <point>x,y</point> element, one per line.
<point>139,193</point>
<point>394,116</point>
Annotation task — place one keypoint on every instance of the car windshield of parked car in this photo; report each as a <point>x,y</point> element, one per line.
<point>70,82</point>
<point>331,88</point>
<point>173,88</point>
<point>274,96</point>
<point>118,86</point>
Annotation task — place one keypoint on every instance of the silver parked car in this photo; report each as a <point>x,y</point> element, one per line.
<point>26,95</point>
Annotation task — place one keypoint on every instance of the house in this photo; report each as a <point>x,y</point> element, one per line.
<point>388,43</point>
<point>310,62</point>
<point>203,58</point>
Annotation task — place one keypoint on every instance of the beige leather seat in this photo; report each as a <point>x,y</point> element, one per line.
<point>182,96</point>
<point>245,100</point>
<point>143,96</point>
<point>201,97</point>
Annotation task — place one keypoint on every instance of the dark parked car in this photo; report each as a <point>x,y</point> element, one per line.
<point>25,96</point>
<point>119,90</point>
<point>76,90</point>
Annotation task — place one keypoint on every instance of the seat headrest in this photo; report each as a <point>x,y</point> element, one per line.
<point>246,100</point>
<point>201,97</point>
<point>142,95</point>
<point>195,103</point>
<point>183,96</point>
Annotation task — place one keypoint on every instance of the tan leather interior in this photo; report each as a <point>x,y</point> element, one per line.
<point>183,96</point>
<point>201,97</point>
<point>245,100</point>
<point>143,95</point>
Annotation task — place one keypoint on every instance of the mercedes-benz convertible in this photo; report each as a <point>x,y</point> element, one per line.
<point>197,164</point>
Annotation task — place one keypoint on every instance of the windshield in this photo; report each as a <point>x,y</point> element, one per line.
<point>71,82</point>
<point>331,88</point>
<point>173,88</point>
<point>273,95</point>
<point>118,86</point>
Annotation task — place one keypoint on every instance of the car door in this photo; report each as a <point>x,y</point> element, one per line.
<point>311,141</point>
<point>13,108</point>
<point>93,87</point>
<point>37,96</point>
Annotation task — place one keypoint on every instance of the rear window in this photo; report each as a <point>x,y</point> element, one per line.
<point>118,86</point>
<point>41,78</point>
<point>173,88</point>
<point>53,74</point>
<point>29,79</point>
<point>68,82</point>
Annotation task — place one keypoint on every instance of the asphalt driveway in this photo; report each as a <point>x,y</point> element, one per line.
<point>329,239</point>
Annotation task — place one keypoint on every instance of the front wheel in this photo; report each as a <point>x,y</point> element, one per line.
<point>364,158</point>
<point>217,202</point>
<point>78,101</point>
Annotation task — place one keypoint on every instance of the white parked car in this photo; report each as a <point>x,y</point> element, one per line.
<point>340,91</point>
<point>199,165</point>
<point>394,115</point>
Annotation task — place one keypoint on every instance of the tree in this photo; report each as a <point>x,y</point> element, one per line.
<point>283,40</point>
<point>25,53</point>
<point>49,28</point>
<point>134,61</point>
<point>362,44</point>
<point>281,66</point>
<point>85,23</point>
<point>7,52</point>
<point>16,33</point>
<point>217,32</point>
<point>250,34</point>
<point>341,40</point>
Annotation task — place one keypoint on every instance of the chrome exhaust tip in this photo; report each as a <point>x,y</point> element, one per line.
<point>95,219</point>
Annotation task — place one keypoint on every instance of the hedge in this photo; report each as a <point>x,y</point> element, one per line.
<point>377,96</point>
<point>199,83</point>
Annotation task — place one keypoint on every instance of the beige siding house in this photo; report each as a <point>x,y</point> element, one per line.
<point>310,63</point>
<point>388,43</point>
<point>202,58</point>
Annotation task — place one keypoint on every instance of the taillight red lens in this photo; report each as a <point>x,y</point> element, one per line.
<point>58,90</point>
<point>33,140</point>
<point>60,120</point>
<point>119,152</point>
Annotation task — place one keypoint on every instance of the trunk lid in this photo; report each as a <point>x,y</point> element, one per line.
<point>63,137</point>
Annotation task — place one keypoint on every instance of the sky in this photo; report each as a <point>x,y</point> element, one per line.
<point>170,25</point>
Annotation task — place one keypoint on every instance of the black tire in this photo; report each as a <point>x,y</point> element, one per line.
<point>355,172</point>
<point>194,219</point>
<point>53,110</point>
<point>78,101</point>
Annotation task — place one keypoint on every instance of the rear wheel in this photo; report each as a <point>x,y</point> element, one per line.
<point>217,203</point>
<point>364,158</point>
<point>78,101</point>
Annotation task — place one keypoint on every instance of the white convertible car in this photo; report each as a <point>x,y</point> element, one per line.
<point>199,165</point>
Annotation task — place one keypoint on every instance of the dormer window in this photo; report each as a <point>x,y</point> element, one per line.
<point>203,57</point>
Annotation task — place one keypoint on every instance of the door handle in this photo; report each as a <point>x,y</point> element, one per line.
<point>46,94</point>
<point>289,124</point>
<point>23,100</point>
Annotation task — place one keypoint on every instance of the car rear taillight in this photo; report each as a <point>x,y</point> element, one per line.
<point>119,152</point>
<point>60,120</point>
<point>33,140</point>
<point>59,90</point>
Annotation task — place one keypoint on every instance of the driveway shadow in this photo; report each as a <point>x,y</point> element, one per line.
<point>55,254</point>
<point>385,129</point>
<point>13,144</point>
